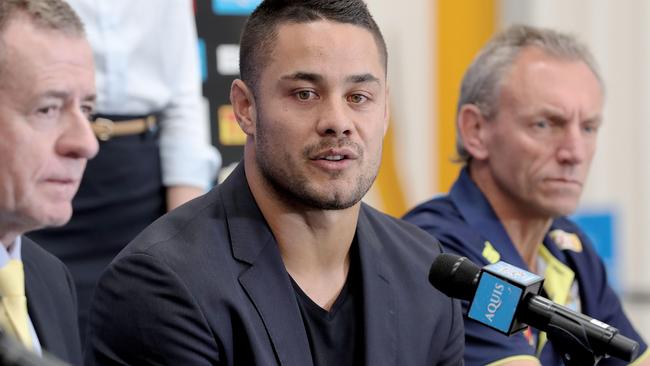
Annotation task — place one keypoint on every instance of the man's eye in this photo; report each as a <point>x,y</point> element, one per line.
<point>590,128</point>
<point>305,95</point>
<point>48,111</point>
<point>357,98</point>
<point>87,111</point>
<point>541,124</point>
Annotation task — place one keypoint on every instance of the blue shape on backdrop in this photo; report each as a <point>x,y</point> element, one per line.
<point>600,227</point>
<point>234,7</point>
<point>203,59</point>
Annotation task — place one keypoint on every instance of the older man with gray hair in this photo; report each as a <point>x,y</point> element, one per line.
<point>47,93</point>
<point>528,117</point>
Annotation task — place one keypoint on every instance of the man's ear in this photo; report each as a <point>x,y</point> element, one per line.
<point>243,105</point>
<point>473,130</point>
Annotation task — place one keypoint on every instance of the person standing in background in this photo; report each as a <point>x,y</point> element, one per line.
<point>154,146</point>
<point>47,94</point>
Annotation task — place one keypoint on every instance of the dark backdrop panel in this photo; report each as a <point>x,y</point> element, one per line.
<point>219,24</point>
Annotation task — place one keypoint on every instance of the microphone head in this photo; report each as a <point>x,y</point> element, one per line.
<point>455,276</point>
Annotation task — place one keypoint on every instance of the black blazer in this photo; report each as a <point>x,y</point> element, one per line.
<point>51,302</point>
<point>206,285</point>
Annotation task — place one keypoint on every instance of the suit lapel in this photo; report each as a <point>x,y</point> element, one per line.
<point>380,315</point>
<point>266,281</point>
<point>40,306</point>
<point>270,290</point>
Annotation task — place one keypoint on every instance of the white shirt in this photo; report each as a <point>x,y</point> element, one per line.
<point>147,62</point>
<point>14,252</point>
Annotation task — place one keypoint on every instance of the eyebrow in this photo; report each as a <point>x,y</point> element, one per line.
<point>557,114</point>
<point>597,119</point>
<point>64,95</point>
<point>305,76</point>
<point>317,78</point>
<point>363,78</point>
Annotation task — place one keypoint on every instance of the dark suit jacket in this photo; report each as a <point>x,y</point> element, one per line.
<point>206,285</point>
<point>51,302</point>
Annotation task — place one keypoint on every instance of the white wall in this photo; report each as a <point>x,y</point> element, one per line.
<point>408,34</point>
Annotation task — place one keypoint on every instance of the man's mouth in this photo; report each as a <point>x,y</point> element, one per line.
<point>334,157</point>
<point>563,180</point>
<point>335,154</point>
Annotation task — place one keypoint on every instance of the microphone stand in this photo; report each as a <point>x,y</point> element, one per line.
<point>575,350</point>
<point>578,345</point>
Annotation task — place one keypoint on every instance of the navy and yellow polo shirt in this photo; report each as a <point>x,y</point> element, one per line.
<point>575,276</point>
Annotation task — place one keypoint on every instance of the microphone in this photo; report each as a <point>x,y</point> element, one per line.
<point>505,298</point>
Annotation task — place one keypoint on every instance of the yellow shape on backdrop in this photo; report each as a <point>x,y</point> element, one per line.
<point>463,27</point>
<point>230,134</point>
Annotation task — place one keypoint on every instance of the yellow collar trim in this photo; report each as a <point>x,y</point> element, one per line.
<point>490,253</point>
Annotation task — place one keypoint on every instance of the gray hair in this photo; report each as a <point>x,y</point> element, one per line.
<point>54,15</point>
<point>482,81</point>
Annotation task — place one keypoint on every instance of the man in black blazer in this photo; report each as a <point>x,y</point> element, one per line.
<point>47,93</point>
<point>282,264</point>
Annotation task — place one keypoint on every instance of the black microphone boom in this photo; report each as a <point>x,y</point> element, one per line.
<point>542,313</point>
<point>458,277</point>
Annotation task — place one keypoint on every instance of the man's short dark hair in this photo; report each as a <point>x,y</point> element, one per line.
<point>261,29</point>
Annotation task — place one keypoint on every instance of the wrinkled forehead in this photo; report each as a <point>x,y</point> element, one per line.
<point>544,84</point>
<point>533,59</point>
<point>24,40</point>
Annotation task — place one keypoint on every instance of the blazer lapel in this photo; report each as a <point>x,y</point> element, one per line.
<point>270,290</point>
<point>42,309</point>
<point>380,315</point>
<point>266,281</point>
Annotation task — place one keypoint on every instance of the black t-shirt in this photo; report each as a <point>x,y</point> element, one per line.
<point>336,337</point>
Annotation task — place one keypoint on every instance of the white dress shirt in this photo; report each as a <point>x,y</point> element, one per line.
<point>147,62</point>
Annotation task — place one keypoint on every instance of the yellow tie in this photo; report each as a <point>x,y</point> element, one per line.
<point>13,315</point>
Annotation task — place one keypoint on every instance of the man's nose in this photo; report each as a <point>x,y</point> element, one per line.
<point>572,147</point>
<point>334,119</point>
<point>77,139</point>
